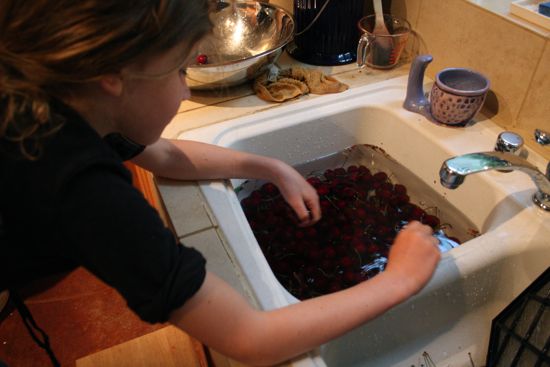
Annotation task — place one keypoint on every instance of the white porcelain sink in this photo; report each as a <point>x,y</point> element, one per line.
<point>452,316</point>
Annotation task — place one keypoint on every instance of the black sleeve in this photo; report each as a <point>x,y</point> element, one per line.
<point>107,226</point>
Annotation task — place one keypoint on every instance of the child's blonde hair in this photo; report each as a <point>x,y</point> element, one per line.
<point>49,46</point>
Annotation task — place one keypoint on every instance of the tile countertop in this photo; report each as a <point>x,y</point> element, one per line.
<point>189,213</point>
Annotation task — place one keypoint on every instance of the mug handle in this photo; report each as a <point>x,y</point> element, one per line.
<point>365,42</point>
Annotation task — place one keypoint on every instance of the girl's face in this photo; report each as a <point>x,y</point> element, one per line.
<point>151,95</point>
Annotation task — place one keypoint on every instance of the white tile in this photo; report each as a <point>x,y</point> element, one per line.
<point>218,261</point>
<point>185,205</point>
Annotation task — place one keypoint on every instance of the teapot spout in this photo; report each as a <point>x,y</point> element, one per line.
<point>415,101</point>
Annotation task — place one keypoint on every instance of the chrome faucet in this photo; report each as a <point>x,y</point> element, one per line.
<point>454,170</point>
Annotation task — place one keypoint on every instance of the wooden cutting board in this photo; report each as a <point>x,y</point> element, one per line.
<point>167,347</point>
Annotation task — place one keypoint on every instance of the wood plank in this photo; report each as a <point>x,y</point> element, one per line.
<point>167,347</point>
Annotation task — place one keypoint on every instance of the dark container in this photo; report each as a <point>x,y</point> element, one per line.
<point>332,38</point>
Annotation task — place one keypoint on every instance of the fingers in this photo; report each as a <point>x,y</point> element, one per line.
<point>307,210</point>
<point>314,208</point>
<point>417,226</point>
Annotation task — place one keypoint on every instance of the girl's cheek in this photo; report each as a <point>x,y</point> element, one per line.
<point>186,94</point>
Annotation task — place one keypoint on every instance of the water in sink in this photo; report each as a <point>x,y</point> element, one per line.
<point>366,197</point>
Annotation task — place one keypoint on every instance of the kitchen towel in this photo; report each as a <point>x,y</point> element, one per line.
<point>294,82</point>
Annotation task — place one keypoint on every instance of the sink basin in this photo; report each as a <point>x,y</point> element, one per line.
<point>449,321</point>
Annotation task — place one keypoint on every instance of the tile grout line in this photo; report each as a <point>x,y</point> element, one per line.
<point>529,85</point>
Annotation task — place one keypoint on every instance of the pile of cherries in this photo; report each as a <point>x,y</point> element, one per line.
<point>362,213</point>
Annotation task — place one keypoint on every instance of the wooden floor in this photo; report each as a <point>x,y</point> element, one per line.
<point>167,347</point>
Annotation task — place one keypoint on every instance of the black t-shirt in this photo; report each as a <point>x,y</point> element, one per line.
<point>76,206</point>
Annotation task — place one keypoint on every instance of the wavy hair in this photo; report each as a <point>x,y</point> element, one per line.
<point>47,47</point>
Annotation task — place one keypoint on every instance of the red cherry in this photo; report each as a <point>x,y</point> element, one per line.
<point>269,189</point>
<point>328,265</point>
<point>362,170</point>
<point>322,190</point>
<point>349,277</point>
<point>346,262</point>
<point>380,176</point>
<point>329,174</point>
<point>311,232</point>
<point>348,192</point>
<point>431,220</point>
<point>315,254</point>
<point>341,204</point>
<point>354,176</point>
<point>330,253</point>
<point>202,59</point>
<point>313,180</point>
<point>399,189</point>
<point>361,213</point>
<point>417,213</point>
<point>340,171</point>
<point>325,205</point>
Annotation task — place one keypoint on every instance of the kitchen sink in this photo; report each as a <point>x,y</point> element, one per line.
<point>449,321</point>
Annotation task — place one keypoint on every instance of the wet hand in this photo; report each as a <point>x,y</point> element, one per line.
<point>299,194</point>
<point>414,256</point>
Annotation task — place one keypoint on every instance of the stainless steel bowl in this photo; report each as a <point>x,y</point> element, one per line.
<point>247,38</point>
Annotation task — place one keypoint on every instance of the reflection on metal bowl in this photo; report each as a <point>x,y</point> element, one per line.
<point>247,38</point>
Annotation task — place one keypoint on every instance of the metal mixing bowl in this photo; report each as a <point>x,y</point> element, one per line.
<point>247,38</point>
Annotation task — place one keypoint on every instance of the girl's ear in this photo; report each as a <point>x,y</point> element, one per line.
<point>112,84</point>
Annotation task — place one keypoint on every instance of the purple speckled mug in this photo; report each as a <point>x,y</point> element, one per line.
<point>457,95</point>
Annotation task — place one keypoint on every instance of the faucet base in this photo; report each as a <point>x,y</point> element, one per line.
<point>542,200</point>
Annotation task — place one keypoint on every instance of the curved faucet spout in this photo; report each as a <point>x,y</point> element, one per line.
<point>454,170</point>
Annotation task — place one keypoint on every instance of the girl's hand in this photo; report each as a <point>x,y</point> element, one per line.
<point>299,194</point>
<point>414,257</point>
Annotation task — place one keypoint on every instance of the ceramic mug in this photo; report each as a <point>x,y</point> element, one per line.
<point>457,95</point>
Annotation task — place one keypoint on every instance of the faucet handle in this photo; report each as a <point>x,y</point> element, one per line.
<point>542,137</point>
<point>509,142</point>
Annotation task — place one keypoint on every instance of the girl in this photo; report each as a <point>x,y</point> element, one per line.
<point>85,85</point>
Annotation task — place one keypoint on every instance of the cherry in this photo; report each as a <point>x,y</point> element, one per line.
<point>322,190</point>
<point>311,232</point>
<point>329,174</point>
<point>400,189</point>
<point>380,176</point>
<point>329,253</point>
<point>363,170</point>
<point>346,262</point>
<point>202,59</point>
<point>431,220</point>
<point>340,171</point>
<point>362,213</point>
<point>349,277</point>
<point>269,189</point>
<point>313,181</point>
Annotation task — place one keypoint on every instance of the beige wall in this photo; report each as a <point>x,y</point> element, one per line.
<point>515,59</point>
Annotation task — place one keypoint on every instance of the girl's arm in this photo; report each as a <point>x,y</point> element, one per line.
<point>219,317</point>
<point>190,160</point>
